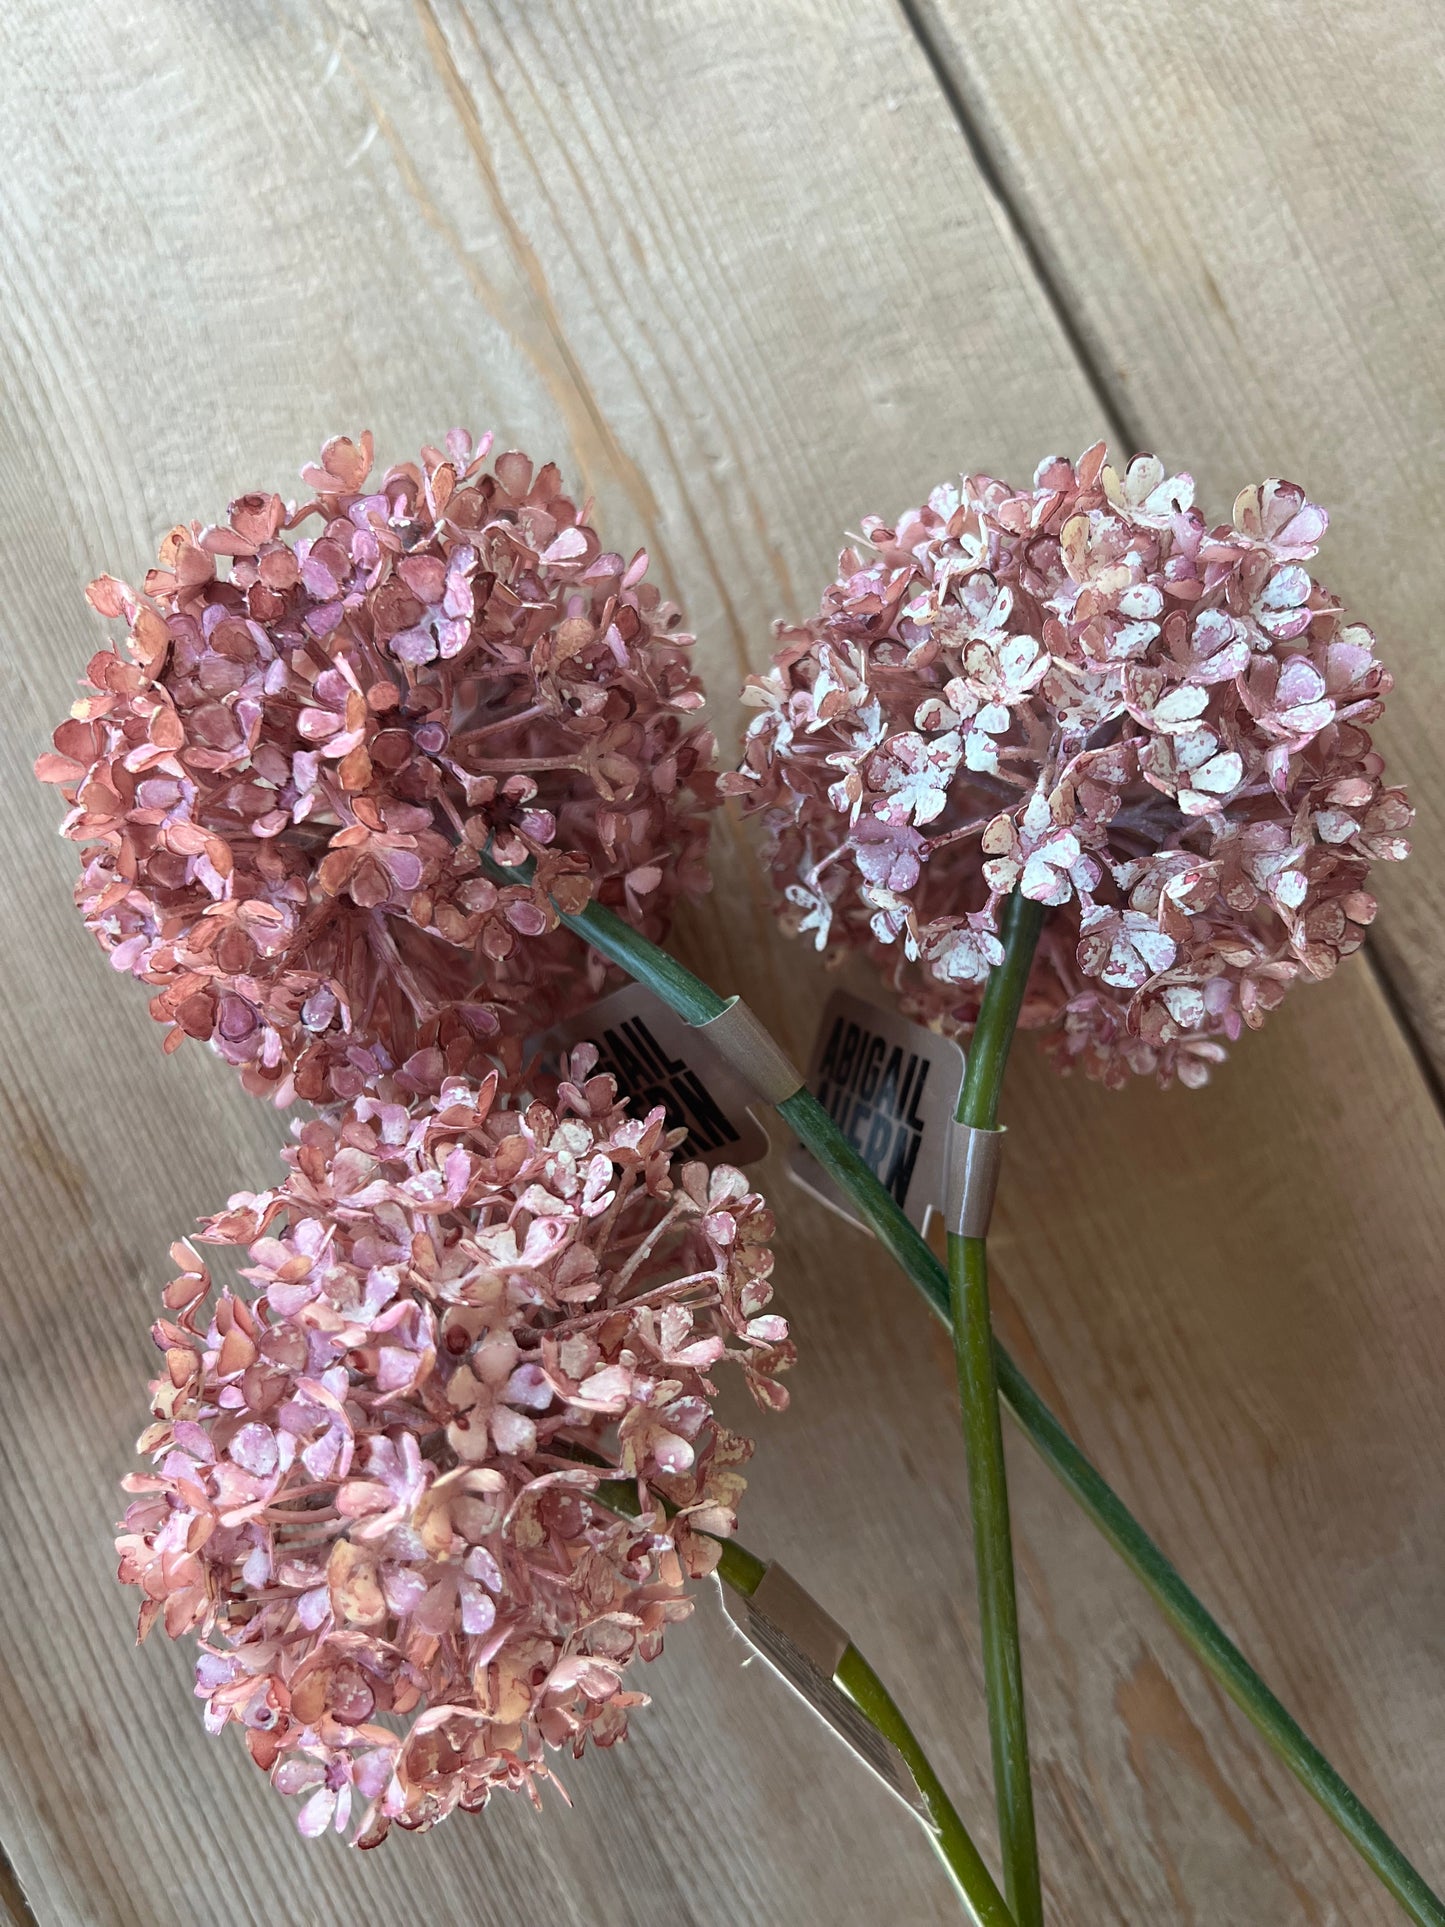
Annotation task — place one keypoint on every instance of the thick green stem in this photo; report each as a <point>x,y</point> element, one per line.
<point>983,1435</point>
<point>951,1839</point>
<point>743,1571</point>
<point>1201,1632</point>
<point>993,1559</point>
<point>1185,1611</point>
<point>998,1014</point>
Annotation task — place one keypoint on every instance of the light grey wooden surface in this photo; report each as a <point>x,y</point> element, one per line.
<point>736,267</point>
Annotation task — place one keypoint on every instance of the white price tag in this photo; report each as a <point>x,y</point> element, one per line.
<point>892,1088</point>
<point>658,1059</point>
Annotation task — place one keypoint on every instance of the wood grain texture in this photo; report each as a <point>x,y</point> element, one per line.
<point>1240,205</point>
<point>734,264</point>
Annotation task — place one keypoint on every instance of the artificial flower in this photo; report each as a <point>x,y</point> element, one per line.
<point>366,1498</point>
<point>327,718</point>
<point>1081,691</point>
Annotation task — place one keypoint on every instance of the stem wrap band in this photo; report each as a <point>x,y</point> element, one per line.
<point>974,1157</point>
<point>808,1649</point>
<point>798,1616</point>
<point>738,1036</point>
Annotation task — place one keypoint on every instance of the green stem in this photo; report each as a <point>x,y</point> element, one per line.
<point>1184,1610</point>
<point>743,1571</point>
<point>951,1839</point>
<point>1201,1632</point>
<point>998,1014</point>
<point>983,1434</point>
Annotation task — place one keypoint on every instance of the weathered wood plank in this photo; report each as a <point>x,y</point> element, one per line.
<point>748,284</point>
<point>237,232</point>
<point>1241,206</point>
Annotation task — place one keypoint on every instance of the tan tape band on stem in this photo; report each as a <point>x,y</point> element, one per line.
<point>805,1647</point>
<point>974,1157</point>
<point>736,1035</point>
<point>800,1619</point>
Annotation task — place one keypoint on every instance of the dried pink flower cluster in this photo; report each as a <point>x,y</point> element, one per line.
<point>364,1498</point>
<point>288,781</point>
<point>1158,729</point>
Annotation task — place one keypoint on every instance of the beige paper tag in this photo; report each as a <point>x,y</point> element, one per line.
<point>892,1088</point>
<point>658,1059</point>
<point>803,1646</point>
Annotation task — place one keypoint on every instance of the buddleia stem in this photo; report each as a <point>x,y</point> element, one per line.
<point>743,1572</point>
<point>983,1434</point>
<point>696,1003</point>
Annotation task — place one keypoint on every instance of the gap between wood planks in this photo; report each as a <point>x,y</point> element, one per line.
<point>1014,218</point>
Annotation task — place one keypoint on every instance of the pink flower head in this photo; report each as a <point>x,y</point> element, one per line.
<point>1079,691</point>
<point>365,1496</point>
<point>287,782</point>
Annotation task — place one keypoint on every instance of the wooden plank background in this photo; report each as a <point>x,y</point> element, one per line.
<point>750,270</point>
